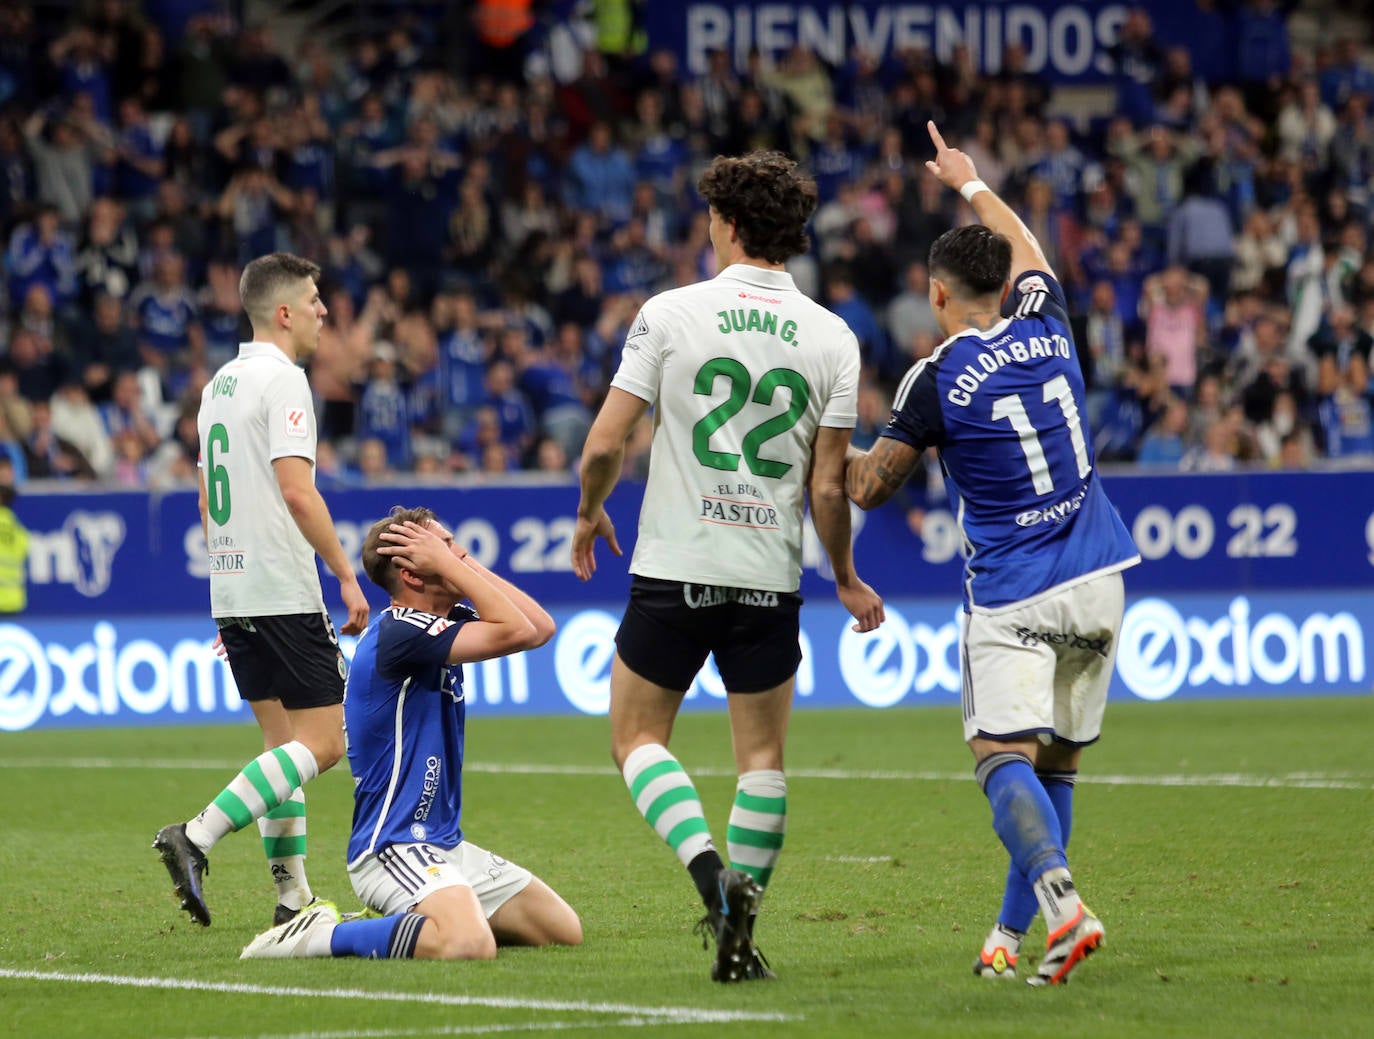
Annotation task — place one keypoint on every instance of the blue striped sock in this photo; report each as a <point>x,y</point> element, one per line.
<point>385,938</point>
<point>1022,813</point>
<point>1018,903</point>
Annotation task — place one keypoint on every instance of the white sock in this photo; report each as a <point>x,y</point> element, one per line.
<point>1058,898</point>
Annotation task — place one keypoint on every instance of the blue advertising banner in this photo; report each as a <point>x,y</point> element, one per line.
<point>1063,42</point>
<point>113,555</point>
<point>151,670</point>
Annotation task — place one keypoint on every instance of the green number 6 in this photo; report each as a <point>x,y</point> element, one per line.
<point>217,483</point>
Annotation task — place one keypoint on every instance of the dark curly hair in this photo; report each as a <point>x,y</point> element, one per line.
<point>975,260</point>
<point>767,199</point>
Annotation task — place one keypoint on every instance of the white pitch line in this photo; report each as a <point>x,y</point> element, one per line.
<point>686,1015</point>
<point>529,1026</point>
<point>1287,780</point>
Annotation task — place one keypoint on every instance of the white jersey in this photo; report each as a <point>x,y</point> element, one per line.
<point>741,369</point>
<point>256,409</point>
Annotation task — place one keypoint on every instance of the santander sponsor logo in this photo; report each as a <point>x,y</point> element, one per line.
<point>761,299</point>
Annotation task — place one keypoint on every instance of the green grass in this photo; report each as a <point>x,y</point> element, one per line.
<point>1237,909</point>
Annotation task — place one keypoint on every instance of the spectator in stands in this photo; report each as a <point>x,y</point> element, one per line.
<point>103,347</point>
<point>601,176</point>
<point>846,301</point>
<point>1163,443</point>
<point>107,261</point>
<point>1102,336</point>
<point>1060,165</point>
<point>41,253</point>
<point>1260,255</point>
<point>48,456</point>
<point>1175,325</point>
<point>37,369</point>
<point>910,311</point>
<point>559,411</point>
<point>1136,60</point>
<point>1306,127</point>
<point>170,338</point>
<point>1345,412</point>
<point>1272,433</point>
<point>1340,337</point>
<point>250,207</point>
<point>1218,450</point>
<point>383,412</point>
<point>78,422</point>
<point>64,150</point>
<point>125,415</point>
<point>464,351</point>
<point>515,420</point>
<point>1200,235</point>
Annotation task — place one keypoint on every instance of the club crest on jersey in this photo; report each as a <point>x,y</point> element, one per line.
<point>296,425</point>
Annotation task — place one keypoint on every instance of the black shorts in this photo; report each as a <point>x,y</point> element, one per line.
<point>294,658</point>
<point>670,626</point>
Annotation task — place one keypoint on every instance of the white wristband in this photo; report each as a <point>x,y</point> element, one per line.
<point>972,188</point>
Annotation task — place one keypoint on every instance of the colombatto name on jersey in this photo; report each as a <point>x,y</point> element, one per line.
<point>1001,352</point>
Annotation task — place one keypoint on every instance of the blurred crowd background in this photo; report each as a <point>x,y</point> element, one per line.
<point>492,188</point>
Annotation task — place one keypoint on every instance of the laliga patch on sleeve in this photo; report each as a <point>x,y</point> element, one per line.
<point>296,423</point>
<point>1033,283</point>
<point>440,623</point>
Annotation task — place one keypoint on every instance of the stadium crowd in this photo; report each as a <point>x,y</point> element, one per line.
<point>491,202</point>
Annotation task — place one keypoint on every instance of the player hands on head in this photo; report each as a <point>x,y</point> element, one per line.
<point>1002,399</point>
<point>755,388</point>
<point>429,892</point>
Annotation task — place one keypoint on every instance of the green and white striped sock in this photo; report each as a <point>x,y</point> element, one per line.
<point>283,839</point>
<point>264,784</point>
<point>758,823</point>
<point>665,796</point>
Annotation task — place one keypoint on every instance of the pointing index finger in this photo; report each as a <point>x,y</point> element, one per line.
<point>940,144</point>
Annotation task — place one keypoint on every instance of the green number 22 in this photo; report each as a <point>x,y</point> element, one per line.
<point>217,483</point>
<point>740,381</point>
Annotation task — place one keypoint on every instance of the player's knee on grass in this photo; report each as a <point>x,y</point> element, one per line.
<point>455,927</point>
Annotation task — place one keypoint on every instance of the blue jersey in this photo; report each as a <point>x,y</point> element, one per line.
<point>404,715</point>
<point>1006,410</point>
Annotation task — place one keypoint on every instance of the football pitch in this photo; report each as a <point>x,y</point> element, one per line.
<point>1227,846</point>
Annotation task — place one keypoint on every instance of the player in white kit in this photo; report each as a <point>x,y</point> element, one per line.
<point>264,521</point>
<point>754,391</point>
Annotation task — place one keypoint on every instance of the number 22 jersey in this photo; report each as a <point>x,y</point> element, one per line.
<point>741,370</point>
<point>1005,408</point>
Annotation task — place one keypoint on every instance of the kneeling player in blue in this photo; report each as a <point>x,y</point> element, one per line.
<point>439,895</point>
<point>1002,399</point>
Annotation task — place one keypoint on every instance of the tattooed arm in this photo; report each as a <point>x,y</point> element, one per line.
<point>871,477</point>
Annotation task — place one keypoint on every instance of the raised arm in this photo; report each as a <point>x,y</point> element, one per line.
<point>830,517</point>
<point>502,628</point>
<point>954,169</point>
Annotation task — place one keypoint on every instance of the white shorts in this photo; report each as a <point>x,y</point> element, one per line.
<point>400,876</point>
<point>1042,668</point>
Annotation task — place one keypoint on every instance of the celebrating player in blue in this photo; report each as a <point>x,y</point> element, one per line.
<point>441,897</point>
<point>1002,400</point>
